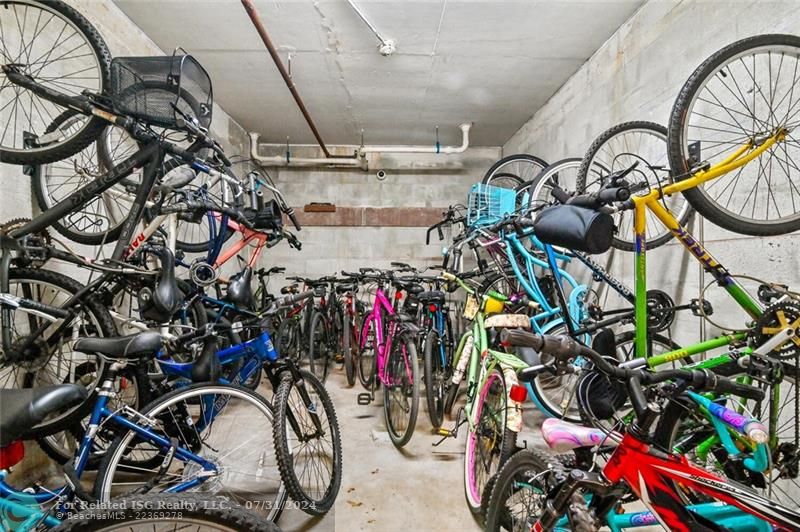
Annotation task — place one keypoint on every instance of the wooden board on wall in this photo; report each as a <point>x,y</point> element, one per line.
<point>372,217</point>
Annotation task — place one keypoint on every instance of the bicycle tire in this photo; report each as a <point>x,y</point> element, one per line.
<point>94,125</point>
<point>367,364</point>
<point>473,486</point>
<point>193,395</point>
<point>398,362</point>
<point>350,348</point>
<point>210,513</point>
<point>584,183</point>
<point>287,458</point>
<point>435,379</point>
<point>678,141</point>
<point>513,178</point>
<point>514,477</point>
<point>101,324</point>
<point>86,159</point>
<point>318,344</point>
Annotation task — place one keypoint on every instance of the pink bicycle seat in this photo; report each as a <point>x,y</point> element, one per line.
<point>562,436</point>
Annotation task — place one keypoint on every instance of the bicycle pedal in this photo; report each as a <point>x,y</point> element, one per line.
<point>444,432</point>
<point>364,399</point>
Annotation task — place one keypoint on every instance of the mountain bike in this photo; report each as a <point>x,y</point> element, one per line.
<point>388,355</point>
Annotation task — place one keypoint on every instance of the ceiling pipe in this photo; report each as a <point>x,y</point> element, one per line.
<point>360,159</point>
<point>363,150</point>
<point>253,14</point>
<point>288,160</point>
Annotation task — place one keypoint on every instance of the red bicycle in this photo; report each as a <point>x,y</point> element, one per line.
<point>534,492</point>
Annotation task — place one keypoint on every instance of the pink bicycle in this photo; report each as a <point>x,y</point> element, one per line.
<point>388,351</point>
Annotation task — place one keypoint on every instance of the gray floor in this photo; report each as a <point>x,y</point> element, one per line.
<point>385,489</point>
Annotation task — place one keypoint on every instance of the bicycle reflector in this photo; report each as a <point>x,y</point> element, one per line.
<point>11,454</point>
<point>398,295</point>
<point>432,307</point>
<point>518,393</point>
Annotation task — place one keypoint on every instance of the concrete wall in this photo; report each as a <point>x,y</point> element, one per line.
<point>415,180</point>
<point>636,75</point>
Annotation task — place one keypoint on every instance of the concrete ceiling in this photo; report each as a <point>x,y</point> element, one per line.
<point>493,63</point>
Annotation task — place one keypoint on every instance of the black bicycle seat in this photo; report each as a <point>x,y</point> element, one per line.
<point>431,295</point>
<point>21,410</point>
<point>140,345</point>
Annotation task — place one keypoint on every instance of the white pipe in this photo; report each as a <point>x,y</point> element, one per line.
<point>422,149</point>
<point>279,160</point>
<point>361,159</point>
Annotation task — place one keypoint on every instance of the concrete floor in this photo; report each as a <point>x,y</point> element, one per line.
<point>420,487</point>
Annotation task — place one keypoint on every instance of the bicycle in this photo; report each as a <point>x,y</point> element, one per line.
<point>493,410</point>
<point>580,499</point>
<point>388,355</point>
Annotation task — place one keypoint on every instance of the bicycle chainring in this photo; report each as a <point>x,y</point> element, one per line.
<point>660,311</point>
<point>775,319</point>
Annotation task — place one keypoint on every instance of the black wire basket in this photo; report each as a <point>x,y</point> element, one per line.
<point>161,90</point>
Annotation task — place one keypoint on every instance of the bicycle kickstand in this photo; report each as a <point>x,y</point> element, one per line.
<point>445,433</point>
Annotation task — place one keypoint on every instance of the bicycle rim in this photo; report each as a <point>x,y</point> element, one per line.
<point>203,418</point>
<point>401,390</point>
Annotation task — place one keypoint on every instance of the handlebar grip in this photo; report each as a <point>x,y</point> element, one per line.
<point>613,194</point>
<point>222,156</point>
<point>293,218</point>
<point>520,338</point>
<point>725,385</point>
<point>350,274</point>
<point>561,195</point>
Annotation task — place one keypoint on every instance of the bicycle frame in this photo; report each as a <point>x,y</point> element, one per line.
<point>381,345</point>
<point>101,414</point>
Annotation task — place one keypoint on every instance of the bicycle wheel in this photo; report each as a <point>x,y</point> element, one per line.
<point>367,360</point>
<point>513,171</point>
<point>520,492</point>
<point>101,218</point>
<point>165,513</point>
<point>436,378</point>
<point>401,390</point>
<point>59,49</point>
<point>51,359</point>
<point>350,348</point>
<point>319,346</point>
<point>688,432</point>
<point>489,443</point>
<point>620,147</point>
<point>563,173</point>
<point>742,93</point>
<point>228,426</point>
<point>288,338</point>
<point>307,442</point>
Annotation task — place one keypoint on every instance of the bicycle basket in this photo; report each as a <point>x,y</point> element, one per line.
<point>487,204</point>
<point>150,88</point>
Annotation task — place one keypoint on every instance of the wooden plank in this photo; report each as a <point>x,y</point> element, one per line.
<point>371,217</point>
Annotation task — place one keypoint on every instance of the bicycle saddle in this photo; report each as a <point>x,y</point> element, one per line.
<point>140,345</point>
<point>562,436</point>
<point>344,288</point>
<point>21,410</point>
<point>160,304</point>
<point>431,295</point>
<point>240,291</point>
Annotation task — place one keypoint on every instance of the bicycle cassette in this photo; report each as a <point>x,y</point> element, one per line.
<point>775,319</point>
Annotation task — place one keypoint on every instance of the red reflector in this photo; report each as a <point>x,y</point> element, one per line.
<point>123,383</point>
<point>11,454</point>
<point>432,307</point>
<point>349,300</point>
<point>322,301</point>
<point>518,393</point>
<point>398,295</point>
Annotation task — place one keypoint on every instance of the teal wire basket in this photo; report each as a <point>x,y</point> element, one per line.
<point>487,205</point>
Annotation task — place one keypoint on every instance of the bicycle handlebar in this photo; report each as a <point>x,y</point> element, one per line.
<point>565,349</point>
